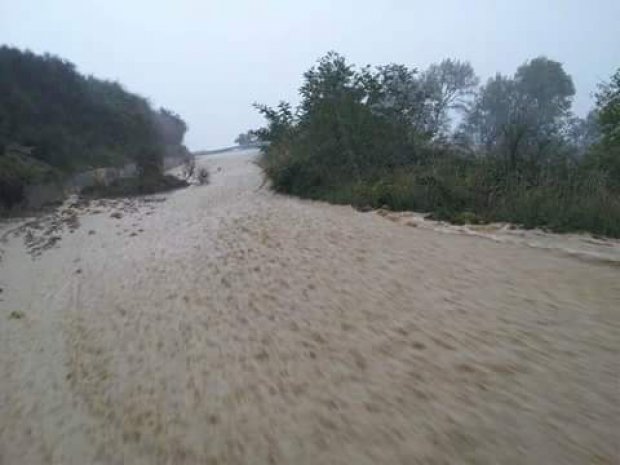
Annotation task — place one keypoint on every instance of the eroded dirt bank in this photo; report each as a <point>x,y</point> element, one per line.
<point>225,324</point>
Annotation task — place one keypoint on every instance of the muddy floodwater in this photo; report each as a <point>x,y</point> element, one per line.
<point>225,324</point>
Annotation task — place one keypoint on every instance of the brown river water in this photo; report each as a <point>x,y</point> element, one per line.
<point>224,324</point>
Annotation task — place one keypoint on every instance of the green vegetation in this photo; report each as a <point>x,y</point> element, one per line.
<point>16,315</point>
<point>17,170</point>
<point>67,122</point>
<point>386,136</point>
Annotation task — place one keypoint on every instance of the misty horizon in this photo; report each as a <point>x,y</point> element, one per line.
<point>209,63</point>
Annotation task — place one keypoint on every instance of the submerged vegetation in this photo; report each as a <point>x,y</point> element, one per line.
<point>436,141</point>
<point>55,120</point>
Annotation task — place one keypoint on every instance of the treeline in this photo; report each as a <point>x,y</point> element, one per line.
<point>437,141</point>
<point>52,116</point>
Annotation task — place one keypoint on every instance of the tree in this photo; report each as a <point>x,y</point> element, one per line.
<point>448,85</point>
<point>331,81</point>
<point>352,119</point>
<point>396,93</point>
<point>583,133</point>
<point>545,90</point>
<point>608,105</point>
<point>606,155</point>
<point>348,122</point>
<point>521,118</point>
<point>280,122</point>
<point>492,114</point>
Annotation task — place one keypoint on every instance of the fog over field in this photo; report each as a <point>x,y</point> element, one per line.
<point>211,60</point>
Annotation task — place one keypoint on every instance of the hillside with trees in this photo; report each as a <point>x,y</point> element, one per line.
<point>437,141</point>
<point>55,121</point>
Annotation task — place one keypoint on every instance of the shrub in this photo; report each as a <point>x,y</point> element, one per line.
<point>203,176</point>
<point>189,168</point>
<point>17,171</point>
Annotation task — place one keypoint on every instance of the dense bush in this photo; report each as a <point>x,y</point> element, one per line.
<point>383,137</point>
<point>17,171</point>
<point>72,122</point>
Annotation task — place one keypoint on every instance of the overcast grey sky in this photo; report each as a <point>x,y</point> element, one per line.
<point>209,60</point>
